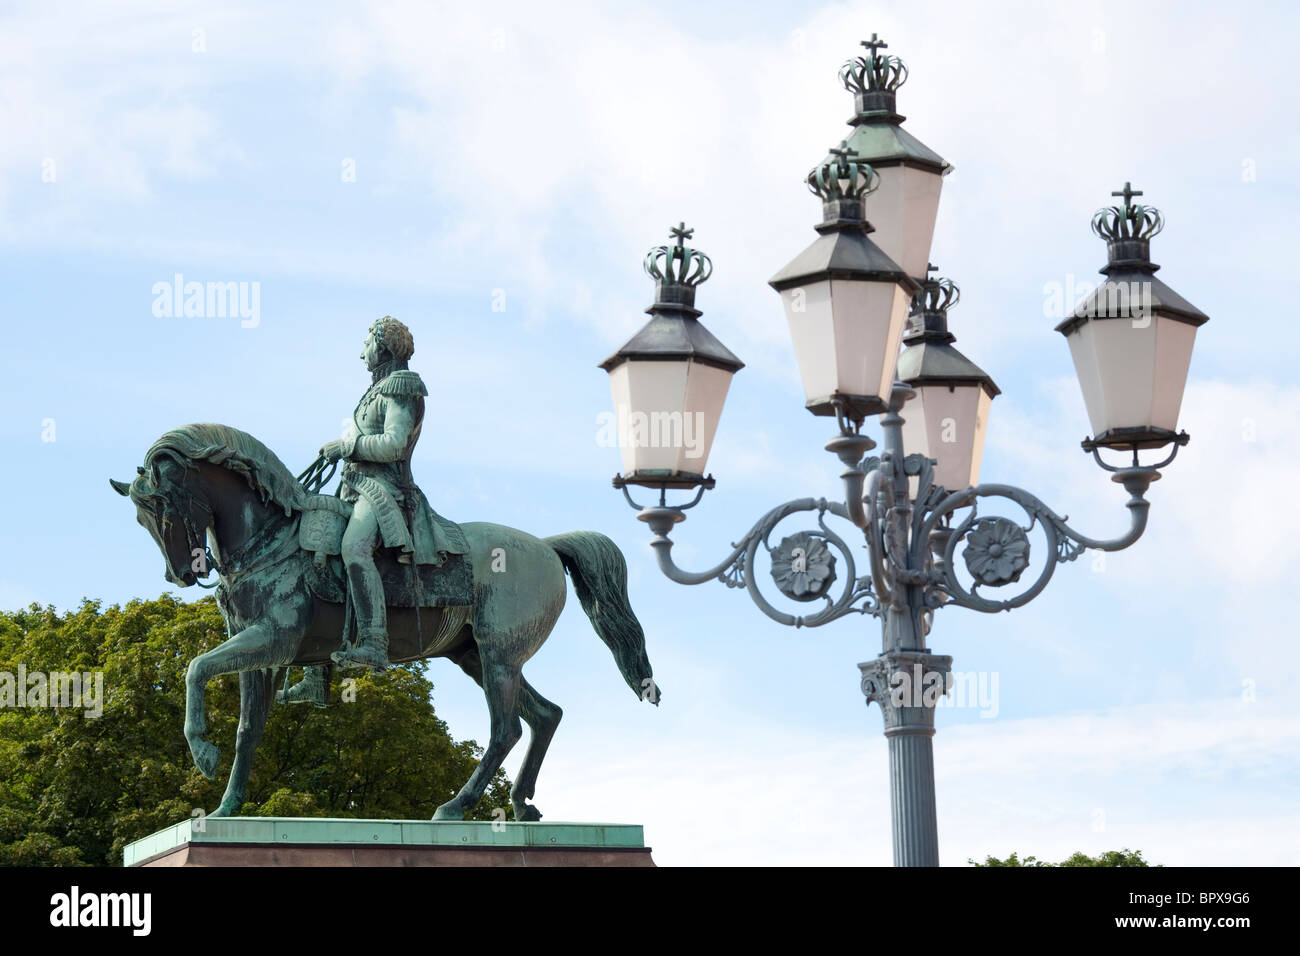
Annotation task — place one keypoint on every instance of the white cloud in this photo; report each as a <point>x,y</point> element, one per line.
<point>561,144</point>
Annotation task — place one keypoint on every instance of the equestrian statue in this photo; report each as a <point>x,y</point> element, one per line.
<point>368,576</point>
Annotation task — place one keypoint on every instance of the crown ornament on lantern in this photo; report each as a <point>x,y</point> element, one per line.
<point>677,269</point>
<point>844,176</point>
<point>928,317</point>
<point>1130,221</point>
<point>867,74</point>
<point>841,182</point>
<point>874,80</point>
<point>1128,229</point>
<point>936,294</point>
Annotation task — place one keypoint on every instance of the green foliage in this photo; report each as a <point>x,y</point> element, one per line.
<point>1125,857</point>
<point>76,790</point>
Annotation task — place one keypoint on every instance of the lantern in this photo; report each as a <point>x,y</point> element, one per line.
<point>905,207</point>
<point>1131,340</point>
<point>948,416</point>
<point>670,380</point>
<point>846,300</point>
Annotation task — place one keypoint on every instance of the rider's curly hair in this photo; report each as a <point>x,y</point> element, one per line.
<point>394,337</point>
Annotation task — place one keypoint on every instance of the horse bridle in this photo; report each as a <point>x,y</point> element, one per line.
<point>168,490</point>
<point>193,533</point>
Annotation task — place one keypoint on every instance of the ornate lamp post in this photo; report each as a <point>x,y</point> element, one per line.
<point>847,299</point>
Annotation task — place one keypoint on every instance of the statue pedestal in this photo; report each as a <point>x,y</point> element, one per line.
<point>313,841</point>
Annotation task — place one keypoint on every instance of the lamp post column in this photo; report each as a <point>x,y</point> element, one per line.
<point>906,680</point>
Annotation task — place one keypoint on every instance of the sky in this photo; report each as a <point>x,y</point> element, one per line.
<point>493,175</point>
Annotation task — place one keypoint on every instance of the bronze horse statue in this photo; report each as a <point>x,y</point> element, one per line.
<point>216,499</point>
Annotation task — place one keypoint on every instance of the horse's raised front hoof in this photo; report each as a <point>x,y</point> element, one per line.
<point>205,758</point>
<point>527,813</point>
<point>449,811</point>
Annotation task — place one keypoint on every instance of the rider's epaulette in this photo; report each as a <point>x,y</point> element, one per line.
<point>403,382</point>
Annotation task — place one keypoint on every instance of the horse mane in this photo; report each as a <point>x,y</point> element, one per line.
<point>236,451</point>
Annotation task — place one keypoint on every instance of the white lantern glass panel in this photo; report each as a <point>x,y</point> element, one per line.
<point>903,210</point>
<point>667,413</point>
<point>846,335</point>
<point>1132,371</point>
<point>949,424</point>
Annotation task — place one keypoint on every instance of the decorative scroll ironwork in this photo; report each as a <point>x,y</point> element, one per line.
<point>856,595</point>
<point>912,529</point>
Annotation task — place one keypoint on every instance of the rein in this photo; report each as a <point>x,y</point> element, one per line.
<point>316,477</point>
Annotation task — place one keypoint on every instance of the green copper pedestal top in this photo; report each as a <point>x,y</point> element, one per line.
<point>300,831</point>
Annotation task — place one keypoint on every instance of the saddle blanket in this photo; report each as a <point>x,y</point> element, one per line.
<point>320,532</point>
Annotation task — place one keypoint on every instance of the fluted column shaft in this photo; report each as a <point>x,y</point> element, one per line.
<point>906,685</point>
<point>911,798</point>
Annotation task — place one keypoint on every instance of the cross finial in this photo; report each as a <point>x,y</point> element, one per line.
<point>930,267</point>
<point>844,153</point>
<point>873,44</point>
<point>1128,192</point>
<point>680,232</point>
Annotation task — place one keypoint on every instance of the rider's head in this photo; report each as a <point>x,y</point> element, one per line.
<point>388,340</point>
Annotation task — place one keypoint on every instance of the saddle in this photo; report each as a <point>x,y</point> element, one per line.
<point>323,520</point>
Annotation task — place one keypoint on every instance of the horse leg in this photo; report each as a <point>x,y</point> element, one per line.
<point>252,648</point>
<point>254,704</point>
<point>500,681</point>
<point>542,718</point>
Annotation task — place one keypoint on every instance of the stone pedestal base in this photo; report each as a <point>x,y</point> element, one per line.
<point>298,841</point>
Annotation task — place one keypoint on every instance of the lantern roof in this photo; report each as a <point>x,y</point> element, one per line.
<point>1131,290</point>
<point>674,331</point>
<point>841,254</point>
<point>888,144</point>
<point>670,336</point>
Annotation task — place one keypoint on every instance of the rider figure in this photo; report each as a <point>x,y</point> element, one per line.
<point>388,509</point>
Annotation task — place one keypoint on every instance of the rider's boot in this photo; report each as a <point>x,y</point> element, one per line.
<point>365,589</point>
<point>312,689</point>
<point>371,650</point>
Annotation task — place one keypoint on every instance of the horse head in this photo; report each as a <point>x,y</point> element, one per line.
<point>174,516</point>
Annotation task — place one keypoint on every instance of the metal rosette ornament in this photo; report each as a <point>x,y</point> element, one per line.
<point>997,551</point>
<point>803,566</point>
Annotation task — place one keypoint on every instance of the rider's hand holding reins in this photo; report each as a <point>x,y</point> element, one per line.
<point>333,450</point>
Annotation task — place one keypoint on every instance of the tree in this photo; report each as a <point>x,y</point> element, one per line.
<point>1125,857</point>
<point>76,789</point>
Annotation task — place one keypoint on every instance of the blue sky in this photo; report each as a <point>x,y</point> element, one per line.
<point>530,156</point>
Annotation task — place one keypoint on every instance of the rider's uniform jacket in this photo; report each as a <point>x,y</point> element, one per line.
<point>377,450</point>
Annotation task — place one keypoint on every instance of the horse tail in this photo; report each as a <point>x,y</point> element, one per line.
<point>600,578</point>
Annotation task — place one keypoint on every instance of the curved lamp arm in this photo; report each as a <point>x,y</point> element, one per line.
<point>1063,542</point>
<point>737,569</point>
